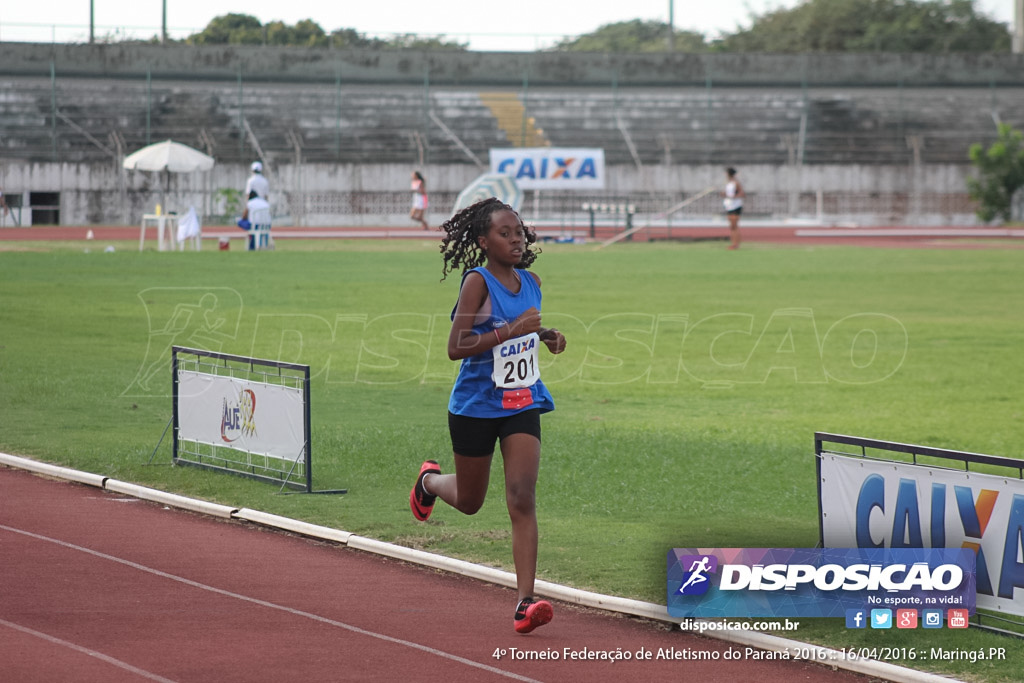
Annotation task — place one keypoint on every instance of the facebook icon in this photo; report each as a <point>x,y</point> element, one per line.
<point>856,618</point>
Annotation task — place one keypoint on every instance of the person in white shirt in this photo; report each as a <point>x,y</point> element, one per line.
<point>257,182</point>
<point>256,215</point>
<point>733,203</point>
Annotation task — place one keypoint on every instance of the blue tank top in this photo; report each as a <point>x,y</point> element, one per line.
<point>478,390</point>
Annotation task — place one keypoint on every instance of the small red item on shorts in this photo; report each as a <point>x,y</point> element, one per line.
<point>514,399</point>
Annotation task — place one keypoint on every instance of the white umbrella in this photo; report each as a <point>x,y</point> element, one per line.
<point>168,157</point>
<point>499,185</point>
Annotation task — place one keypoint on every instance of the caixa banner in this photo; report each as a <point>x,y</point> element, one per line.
<point>874,503</point>
<point>551,168</point>
<point>816,582</point>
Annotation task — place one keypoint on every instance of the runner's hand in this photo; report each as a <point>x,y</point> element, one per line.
<point>553,339</point>
<point>526,323</point>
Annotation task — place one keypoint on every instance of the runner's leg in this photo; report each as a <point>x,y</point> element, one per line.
<point>466,489</point>
<point>521,458</point>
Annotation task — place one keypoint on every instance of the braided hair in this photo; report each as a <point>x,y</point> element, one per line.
<point>460,245</point>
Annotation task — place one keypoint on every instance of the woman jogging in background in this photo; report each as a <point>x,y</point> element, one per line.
<point>733,204</point>
<point>419,199</point>
<point>498,395</point>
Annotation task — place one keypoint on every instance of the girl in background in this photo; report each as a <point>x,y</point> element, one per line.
<point>419,199</point>
<point>733,204</point>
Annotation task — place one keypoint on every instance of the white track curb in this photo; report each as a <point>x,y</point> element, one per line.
<point>647,610</point>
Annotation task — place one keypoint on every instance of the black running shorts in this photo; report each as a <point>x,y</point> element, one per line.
<point>474,437</point>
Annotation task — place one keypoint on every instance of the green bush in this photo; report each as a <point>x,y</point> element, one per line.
<point>230,200</point>
<point>1001,174</point>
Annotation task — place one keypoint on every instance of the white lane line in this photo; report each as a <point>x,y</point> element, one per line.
<point>271,605</point>
<point>86,651</point>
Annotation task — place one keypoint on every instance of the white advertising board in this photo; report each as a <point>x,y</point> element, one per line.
<point>871,503</point>
<point>551,168</point>
<point>266,419</point>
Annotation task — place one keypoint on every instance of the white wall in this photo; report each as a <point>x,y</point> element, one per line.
<point>329,194</point>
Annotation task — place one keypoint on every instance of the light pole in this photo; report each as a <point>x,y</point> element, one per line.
<point>163,33</point>
<point>1018,26</point>
<point>672,30</point>
<point>92,23</point>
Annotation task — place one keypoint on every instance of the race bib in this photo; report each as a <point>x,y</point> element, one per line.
<point>516,362</point>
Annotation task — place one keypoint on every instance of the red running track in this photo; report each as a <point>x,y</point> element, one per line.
<point>883,236</point>
<point>95,586</point>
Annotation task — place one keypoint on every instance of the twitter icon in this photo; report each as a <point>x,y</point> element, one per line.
<point>881,618</point>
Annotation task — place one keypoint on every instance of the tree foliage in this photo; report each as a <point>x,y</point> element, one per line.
<point>634,36</point>
<point>351,38</point>
<point>231,29</point>
<point>306,33</point>
<point>243,29</point>
<point>933,26</point>
<point>1000,173</point>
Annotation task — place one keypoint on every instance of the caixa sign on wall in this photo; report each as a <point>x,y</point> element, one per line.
<point>551,168</point>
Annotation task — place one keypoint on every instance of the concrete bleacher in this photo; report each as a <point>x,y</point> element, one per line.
<point>89,119</point>
<point>74,119</point>
<point>669,126</point>
<point>779,126</point>
<point>883,125</point>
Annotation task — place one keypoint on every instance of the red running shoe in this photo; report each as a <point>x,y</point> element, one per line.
<point>421,502</point>
<point>532,613</point>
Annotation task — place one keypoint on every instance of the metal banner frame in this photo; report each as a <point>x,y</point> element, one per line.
<point>290,472</point>
<point>932,462</point>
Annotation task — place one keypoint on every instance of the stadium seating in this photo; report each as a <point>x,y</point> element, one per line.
<point>88,119</point>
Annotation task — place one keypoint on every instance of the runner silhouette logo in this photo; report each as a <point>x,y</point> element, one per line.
<point>696,580</point>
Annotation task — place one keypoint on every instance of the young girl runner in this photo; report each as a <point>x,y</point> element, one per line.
<point>498,395</point>
<point>419,199</point>
<point>733,203</point>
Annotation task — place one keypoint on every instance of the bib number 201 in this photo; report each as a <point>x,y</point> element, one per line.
<point>516,364</point>
<point>518,371</point>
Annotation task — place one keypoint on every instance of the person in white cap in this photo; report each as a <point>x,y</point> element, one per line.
<point>257,183</point>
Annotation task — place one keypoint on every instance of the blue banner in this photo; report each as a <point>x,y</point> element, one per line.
<point>817,582</point>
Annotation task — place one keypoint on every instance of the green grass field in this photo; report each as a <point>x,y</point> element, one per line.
<point>687,399</point>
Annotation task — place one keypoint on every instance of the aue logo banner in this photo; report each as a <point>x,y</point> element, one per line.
<point>817,582</point>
